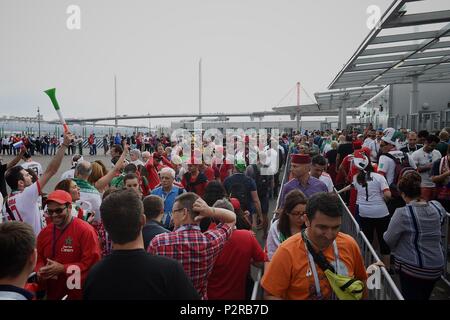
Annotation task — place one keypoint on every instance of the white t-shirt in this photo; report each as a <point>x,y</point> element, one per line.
<point>325,178</point>
<point>371,201</point>
<point>33,165</point>
<point>372,145</point>
<point>327,147</point>
<point>95,200</point>
<point>387,166</point>
<point>69,174</point>
<point>26,206</point>
<point>272,162</point>
<point>421,158</point>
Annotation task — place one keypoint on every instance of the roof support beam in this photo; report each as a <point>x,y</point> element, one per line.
<point>417,19</point>
<point>406,37</point>
<point>407,48</point>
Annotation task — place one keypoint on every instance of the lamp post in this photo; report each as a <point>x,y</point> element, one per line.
<point>39,122</point>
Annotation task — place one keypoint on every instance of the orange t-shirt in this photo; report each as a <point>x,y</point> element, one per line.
<point>288,275</point>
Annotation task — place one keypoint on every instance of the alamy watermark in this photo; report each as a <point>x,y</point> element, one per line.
<point>251,146</point>
<point>374,19</point>
<point>73,22</point>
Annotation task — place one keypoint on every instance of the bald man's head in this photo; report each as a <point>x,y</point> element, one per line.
<point>83,170</point>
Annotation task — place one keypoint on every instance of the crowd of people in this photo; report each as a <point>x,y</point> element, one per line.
<point>47,144</point>
<point>154,223</point>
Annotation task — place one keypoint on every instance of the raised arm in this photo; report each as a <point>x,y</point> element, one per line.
<point>105,180</point>
<point>54,165</point>
<point>16,160</point>
<point>347,188</point>
<point>220,214</point>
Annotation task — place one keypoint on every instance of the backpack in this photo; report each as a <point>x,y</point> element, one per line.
<point>262,182</point>
<point>401,167</point>
<point>240,192</point>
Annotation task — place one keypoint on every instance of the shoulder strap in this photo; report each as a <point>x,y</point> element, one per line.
<point>390,156</point>
<point>318,257</point>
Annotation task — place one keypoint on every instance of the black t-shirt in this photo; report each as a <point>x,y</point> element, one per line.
<point>344,150</point>
<point>137,275</point>
<point>2,180</point>
<point>150,230</point>
<point>408,149</point>
<point>248,183</point>
<point>331,156</point>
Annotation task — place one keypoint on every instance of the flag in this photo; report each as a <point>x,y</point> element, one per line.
<point>18,144</point>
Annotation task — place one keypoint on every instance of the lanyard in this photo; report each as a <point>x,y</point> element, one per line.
<point>313,268</point>
<point>54,241</point>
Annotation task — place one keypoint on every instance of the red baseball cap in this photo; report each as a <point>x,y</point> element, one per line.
<point>235,203</point>
<point>60,196</point>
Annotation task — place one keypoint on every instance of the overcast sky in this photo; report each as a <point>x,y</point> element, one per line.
<point>253,53</point>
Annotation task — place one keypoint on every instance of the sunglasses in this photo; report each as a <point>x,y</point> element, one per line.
<point>56,211</point>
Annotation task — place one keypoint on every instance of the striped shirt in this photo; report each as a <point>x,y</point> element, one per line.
<point>196,251</point>
<point>414,236</point>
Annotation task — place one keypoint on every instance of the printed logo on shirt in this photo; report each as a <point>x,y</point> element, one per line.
<point>380,165</point>
<point>68,241</point>
<point>67,247</point>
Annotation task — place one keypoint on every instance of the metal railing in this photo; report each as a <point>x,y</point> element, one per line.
<point>385,288</point>
<point>445,247</point>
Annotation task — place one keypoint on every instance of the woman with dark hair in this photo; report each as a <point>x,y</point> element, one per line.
<point>242,217</point>
<point>290,221</point>
<point>214,191</point>
<point>72,188</point>
<point>414,236</point>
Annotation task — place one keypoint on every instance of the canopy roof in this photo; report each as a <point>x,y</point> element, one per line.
<point>396,50</point>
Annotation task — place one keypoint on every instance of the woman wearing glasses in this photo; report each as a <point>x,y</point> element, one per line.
<point>290,221</point>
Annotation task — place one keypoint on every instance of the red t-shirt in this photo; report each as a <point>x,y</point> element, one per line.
<point>228,278</point>
<point>153,177</point>
<point>77,245</point>
<point>349,169</point>
<point>211,173</point>
<point>224,170</point>
<point>199,189</point>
